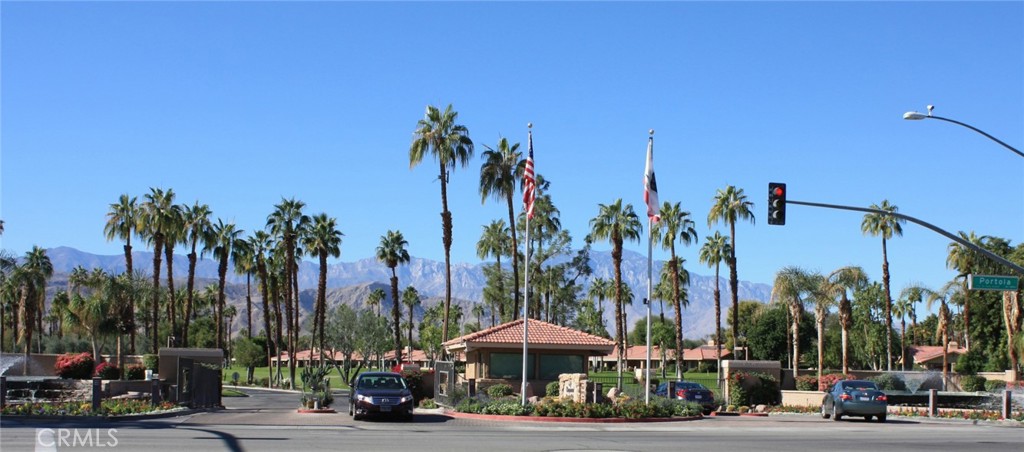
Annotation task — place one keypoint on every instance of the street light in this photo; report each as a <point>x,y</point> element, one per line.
<point>915,116</point>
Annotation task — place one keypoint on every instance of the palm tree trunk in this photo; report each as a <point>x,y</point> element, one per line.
<point>846,367</point>
<point>888,308</point>
<point>718,326</point>
<point>446,227</point>
<point>26,316</point>
<point>967,317</point>
<point>189,287</point>
<point>321,298</point>
<point>819,321</point>
<point>619,340</point>
<point>903,344</point>
<point>677,304</point>
<point>395,316</point>
<point>271,344</point>
<point>222,271</point>
<point>158,243</point>
<point>411,308</point>
<point>248,305</point>
<point>171,302</point>
<point>794,311</point>
<point>515,260</point>
<point>131,297</point>
<point>734,284</point>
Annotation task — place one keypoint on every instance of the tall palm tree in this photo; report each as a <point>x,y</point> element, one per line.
<point>32,275</point>
<point>157,212</point>
<point>323,240</point>
<point>675,224</point>
<point>716,249</point>
<point>392,251</point>
<point>886,226</point>
<point>259,246</point>
<point>411,299</point>
<point>730,206</point>
<point>598,291</point>
<point>439,134</point>
<point>245,264</point>
<point>287,223</point>
<point>790,284</point>
<point>617,223</point>
<point>964,261</point>
<point>375,299</point>
<point>948,290</point>
<point>495,242</point>
<point>225,236</point>
<point>173,235</point>
<point>502,169</point>
<point>122,221</point>
<point>199,232</point>
<point>837,285</point>
<point>903,308</point>
<point>914,294</point>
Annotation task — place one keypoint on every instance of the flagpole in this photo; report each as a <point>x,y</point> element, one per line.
<point>526,276</point>
<point>650,248</point>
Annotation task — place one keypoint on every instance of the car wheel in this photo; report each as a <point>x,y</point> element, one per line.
<point>835,413</point>
<point>824,413</point>
<point>881,417</point>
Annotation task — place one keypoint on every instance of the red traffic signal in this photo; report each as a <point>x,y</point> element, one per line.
<point>776,203</point>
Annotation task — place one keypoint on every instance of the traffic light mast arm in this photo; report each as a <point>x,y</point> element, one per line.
<point>911,219</point>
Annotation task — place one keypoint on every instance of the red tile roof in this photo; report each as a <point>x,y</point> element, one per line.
<point>925,353</point>
<point>639,352</point>
<point>540,334</point>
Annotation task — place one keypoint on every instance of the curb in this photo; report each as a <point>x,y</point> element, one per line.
<point>729,414</point>
<point>115,418</point>
<point>583,420</point>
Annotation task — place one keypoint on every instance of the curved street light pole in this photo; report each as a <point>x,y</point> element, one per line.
<point>913,115</point>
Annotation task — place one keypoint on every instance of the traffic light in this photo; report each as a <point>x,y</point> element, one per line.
<point>776,203</point>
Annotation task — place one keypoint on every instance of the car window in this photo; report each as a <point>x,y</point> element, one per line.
<point>365,383</point>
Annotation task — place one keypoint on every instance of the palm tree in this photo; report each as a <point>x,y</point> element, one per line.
<point>375,299</point>
<point>616,223</point>
<point>287,223</point>
<point>789,286</point>
<point>501,170</point>
<point>838,283</point>
<point>598,291</point>
<point>259,245</point>
<point>964,260</point>
<point>730,206</point>
<point>887,226</point>
<point>89,314</point>
<point>411,299</point>
<point>154,218</point>
<point>173,235</point>
<point>902,308</point>
<point>449,143</point>
<point>716,249</point>
<point>32,275</point>
<point>675,224</point>
<point>199,233</point>
<point>392,251</point>
<point>949,290</point>
<point>495,242</point>
<point>323,240</point>
<point>245,264</point>
<point>224,238</point>
<point>122,221</point>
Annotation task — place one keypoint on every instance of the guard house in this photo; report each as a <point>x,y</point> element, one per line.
<point>495,355</point>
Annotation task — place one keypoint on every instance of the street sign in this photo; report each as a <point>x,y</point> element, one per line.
<point>987,282</point>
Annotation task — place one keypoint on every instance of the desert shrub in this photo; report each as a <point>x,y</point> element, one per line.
<point>151,362</point>
<point>995,385</point>
<point>972,383</point>
<point>108,371</point>
<point>428,404</point>
<point>78,366</point>
<point>766,391</point>
<point>551,390</point>
<point>506,408</point>
<point>499,390</point>
<point>970,363</point>
<point>807,383</point>
<point>889,382</point>
<point>135,372</point>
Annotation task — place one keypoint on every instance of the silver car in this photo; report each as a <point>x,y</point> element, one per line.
<point>855,398</point>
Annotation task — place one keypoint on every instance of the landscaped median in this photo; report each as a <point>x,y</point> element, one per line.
<point>109,409</point>
<point>551,409</point>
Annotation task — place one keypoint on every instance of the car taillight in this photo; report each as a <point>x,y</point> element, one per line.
<point>845,396</point>
<point>882,398</point>
<point>681,393</point>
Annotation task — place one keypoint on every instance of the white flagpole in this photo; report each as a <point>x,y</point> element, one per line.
<point>650,247</point>
<point>526,290</point>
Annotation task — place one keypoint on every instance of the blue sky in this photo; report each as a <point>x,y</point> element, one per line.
<point>240,104</point>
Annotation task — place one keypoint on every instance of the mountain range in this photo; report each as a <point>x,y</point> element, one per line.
<point>351,283</point>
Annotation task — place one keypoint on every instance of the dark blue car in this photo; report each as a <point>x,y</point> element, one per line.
<point>855,398</point>
<point>691,392</point>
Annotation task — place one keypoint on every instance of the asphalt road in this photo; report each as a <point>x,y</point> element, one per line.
<point>268,421</point>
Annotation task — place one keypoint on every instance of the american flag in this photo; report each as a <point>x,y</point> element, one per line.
<point>529,184</point>
<point>651,185</point>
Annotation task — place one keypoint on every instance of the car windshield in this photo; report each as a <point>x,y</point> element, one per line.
<point>688,385</point>
<point>381,382</point>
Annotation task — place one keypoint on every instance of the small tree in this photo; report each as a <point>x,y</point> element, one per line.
<point>250,353</point>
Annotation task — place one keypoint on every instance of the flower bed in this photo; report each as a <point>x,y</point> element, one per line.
<point>109,407</point>
<point>550,407</point>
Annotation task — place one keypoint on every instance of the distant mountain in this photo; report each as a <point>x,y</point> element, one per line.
<point>351,282</point>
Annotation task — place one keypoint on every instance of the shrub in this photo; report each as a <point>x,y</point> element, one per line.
<point>972,383</point>
<point>468,405</point>
<point>889,382</point>
<point>414,378</point>
<point>827,381</point>
<point>970,363</point>
<point>506,408</point>
<point>499,390</point>
<point>151,362</point>
<point>766,391</point>
<point>551,389</point>
<point>995,385</point>
<point>807,383</point>
<point>78,366</point>
<point>108,371</point>
<point>428,404</point>
<point>135,372</point>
